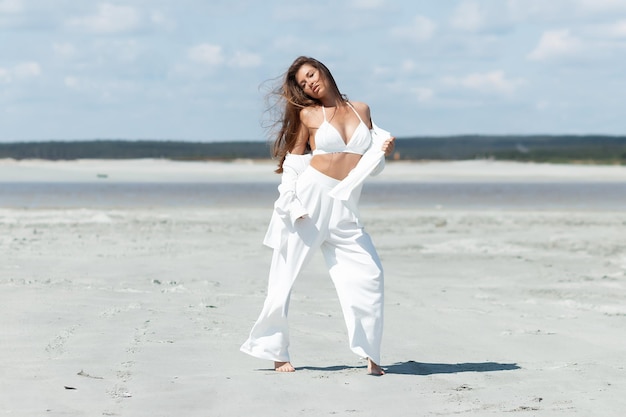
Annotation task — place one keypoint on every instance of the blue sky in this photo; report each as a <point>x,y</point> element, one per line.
<point>196,69</point>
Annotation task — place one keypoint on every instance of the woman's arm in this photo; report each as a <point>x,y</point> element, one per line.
<point>302,140</point>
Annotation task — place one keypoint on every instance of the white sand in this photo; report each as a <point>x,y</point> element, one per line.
<point>160,170</point>
<point>142,311</point>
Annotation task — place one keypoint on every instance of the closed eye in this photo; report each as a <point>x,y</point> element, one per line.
<point>307,75</point>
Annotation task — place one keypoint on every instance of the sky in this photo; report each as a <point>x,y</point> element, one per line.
<point>199,70</point>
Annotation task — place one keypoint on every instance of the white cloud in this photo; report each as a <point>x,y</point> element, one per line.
<point>5,75</point>
<point>76,50</point>
<point>11,6</point>
<point>103,90</point>
<point>245,60</point>
<point>539,9</point>
<point>423,94</point>
<point>64,50</point>
<point>159,19</point>
<point>212,56</point>
<point>468,16</point>
<point>408,65</point>
<point>367,4</point>
<point>287,43</point>
<point>295,11</point>
<point>22,70</point>
<point>610,30</point>
<point>421,30</point>
<point>556,44</point>
<point>602,6</point>
<point>489,82</point>
<point>542,105</point>
<point>118,49</point>
<point>206,54</point>
<point>71,82</point>
<point>27,70</point>
<point>205,59</point>
<point>109,18</point>
<point>563,10</point>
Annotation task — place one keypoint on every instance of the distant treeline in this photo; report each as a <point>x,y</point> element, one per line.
<point>588,148</point>
<point>538,148</point>
<point>122,149</point>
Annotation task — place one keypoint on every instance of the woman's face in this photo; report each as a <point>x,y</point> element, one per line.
<point>311,80</point>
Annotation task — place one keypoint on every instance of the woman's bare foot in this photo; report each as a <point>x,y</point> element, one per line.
<point>284,367</point>
<point>374,369</point>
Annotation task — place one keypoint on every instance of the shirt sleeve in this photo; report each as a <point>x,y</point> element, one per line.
<point>288,206</point>
<point>378,168</point>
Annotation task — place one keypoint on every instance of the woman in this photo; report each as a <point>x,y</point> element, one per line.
<point>340,134</point>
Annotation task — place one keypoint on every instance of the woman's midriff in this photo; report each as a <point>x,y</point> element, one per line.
<point>336,165</point>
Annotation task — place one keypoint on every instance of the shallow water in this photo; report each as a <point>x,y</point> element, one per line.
<point>425,195</point>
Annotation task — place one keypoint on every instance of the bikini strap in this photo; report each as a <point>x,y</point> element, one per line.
<point>354,110</point>
<point>324,112</point>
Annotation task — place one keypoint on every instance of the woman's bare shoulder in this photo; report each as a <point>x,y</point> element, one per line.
<point>363,109</point>
<point>311,116</point>
<point>359,105</point>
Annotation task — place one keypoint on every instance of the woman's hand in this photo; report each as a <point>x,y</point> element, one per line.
<point>389,146</point>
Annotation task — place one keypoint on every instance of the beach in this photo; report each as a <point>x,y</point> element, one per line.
<point>126,306</point>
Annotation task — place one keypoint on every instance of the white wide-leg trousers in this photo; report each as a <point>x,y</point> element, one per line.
<point>353,264</point>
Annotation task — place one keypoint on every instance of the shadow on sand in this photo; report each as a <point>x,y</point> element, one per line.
<point>420,368</point>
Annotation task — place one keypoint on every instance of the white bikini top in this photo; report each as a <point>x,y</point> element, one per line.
<point>329,140</point>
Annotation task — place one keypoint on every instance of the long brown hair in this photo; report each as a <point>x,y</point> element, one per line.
<point>293,99</point>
